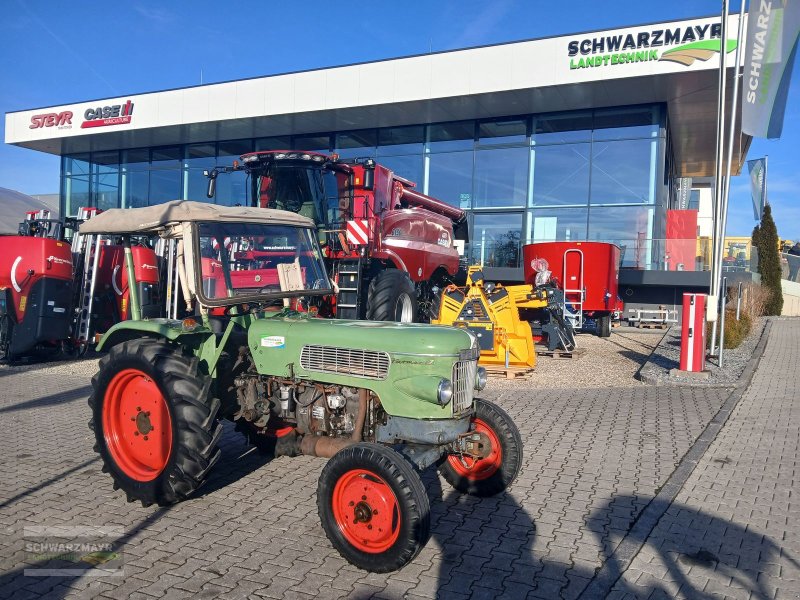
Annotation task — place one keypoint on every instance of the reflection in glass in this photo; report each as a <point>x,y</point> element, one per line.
<point>137,159</point>
<point>501,177</point>
<point>623,123</point>
<point>409,167</point>
<point>561,175</point>
<point>503,132</point>
<point>164,186</point>
<point>451,136</point>
<point>200,156</point>
<point>630,228</point>
<point>135,187</point>
<point>564,128</point>
<point>312,143</point>
<point>273,143</point>
<point>495,240</point>
<point>450,178</point>
<point>105,180</point>
<point>230,151</point>
<point>166,158</point>
<point>557,224</point>
<point>624,172</point>
<point>401,140</point>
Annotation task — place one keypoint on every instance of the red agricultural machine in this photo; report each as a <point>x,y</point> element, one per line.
<point>388,247</point>
<point>58,294</point>
<point>588,275</point>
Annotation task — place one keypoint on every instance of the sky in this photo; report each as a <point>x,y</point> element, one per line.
<point>52,52</point>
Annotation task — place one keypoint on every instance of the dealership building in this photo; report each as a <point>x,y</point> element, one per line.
<point>603,136</point>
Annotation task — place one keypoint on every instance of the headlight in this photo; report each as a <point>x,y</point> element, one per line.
<point>445,392</point>
<point>480,379</point>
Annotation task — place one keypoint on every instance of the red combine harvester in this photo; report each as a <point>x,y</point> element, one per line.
<point>588,275</point>
<point>35,287</point>
<point>57,295</point>
<point>389,248</point>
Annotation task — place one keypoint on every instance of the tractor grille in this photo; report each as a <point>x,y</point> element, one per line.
<point>464,373</point>
<point>370,364</point>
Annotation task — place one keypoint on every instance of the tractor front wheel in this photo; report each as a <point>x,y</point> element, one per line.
<point>493,473</point>
<point>604,326</point>
<point>154,420</point>
<point>373,507</point>
<point>392,297</point>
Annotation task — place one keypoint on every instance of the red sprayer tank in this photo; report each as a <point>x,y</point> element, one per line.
<point>35,292</point>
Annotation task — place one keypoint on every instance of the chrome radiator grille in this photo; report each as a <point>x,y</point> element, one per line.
<point>464,373</point>
<point>370,364</point>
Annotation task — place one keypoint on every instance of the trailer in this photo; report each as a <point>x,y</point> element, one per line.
<point>588,275</point>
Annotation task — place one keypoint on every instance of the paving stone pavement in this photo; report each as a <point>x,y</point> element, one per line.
<point>593,459</point>
<point>731,530</point>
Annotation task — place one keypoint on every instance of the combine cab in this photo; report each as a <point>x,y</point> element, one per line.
<point>389,247</point>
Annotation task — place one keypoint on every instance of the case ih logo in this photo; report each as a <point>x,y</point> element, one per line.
<point>118,114</point>
<point>62,120</point>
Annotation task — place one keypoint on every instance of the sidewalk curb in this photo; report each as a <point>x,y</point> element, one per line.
<point>619,561</point>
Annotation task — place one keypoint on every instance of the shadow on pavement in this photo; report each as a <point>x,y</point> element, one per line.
<point>65,397</point>
<point>686,548</point>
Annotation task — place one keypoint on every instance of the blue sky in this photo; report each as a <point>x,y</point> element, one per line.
<point>53,52</point>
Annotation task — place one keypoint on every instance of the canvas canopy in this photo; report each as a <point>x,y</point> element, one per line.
<point>152,219</point>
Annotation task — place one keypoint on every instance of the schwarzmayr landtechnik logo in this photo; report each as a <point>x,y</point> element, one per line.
<point>683,45</point>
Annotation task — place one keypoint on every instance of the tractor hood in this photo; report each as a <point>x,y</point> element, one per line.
<point>288,336</point>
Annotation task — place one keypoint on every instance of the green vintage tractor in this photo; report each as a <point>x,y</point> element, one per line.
<point>380,400</point>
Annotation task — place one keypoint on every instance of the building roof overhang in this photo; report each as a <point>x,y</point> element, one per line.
<point>535,76</point>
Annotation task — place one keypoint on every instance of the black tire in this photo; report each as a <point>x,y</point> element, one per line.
<point>410,520</point>
<point>604,326</point>
<point>498,421</point>
<point>392,297</point>
<point>195,429</point>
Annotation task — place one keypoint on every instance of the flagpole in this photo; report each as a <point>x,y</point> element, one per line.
<point>766,161</point>
<point>716,249</point>
<point>731,137</point>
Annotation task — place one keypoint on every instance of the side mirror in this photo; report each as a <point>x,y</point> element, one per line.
<point>369,174</point>
<point>212,182</point>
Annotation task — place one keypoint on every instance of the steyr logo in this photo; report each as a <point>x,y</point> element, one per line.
<point>118,114</point>
<point>62,120</point>
<point>686,45</point>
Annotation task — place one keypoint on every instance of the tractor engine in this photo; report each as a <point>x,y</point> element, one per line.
<point>275,407</point>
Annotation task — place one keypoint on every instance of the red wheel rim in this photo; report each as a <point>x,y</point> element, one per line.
<point>366,511</point>
<point>477,469</point>
<point>137,426</point>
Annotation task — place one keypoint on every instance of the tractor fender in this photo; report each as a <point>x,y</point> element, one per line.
<point>169,329</point>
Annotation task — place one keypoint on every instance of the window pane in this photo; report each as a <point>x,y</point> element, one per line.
<point>621,124</point>
<point>136,160</point>
<point>450,178</point>
<point>561,175</point>
<point>106,159</point>
<point>495,240</point>
<point>231,190</point>
<point>572,127</point>
<point>503,132</point>
<point>273,143</point>
<point>165,185</point>
<point>76,192</point>
<point>231,151</point>
<point>451,136</point>
<point>630,228</point>
<point>366,138</point>
<point>623,172</point>
<point>557,224</point>
<point>409,167</point>
<point>201,156</point>
<point>135,186</point>
<point>401,140</point>
<point>105,180</point>
<point>166,158</point>
<point>501,177</point>
<point>312,143</point>
<point>77,165</point>
<point>197,185</point>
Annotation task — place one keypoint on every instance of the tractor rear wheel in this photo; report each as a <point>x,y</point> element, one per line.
<point>494,473</point>
<point>373,507</point>
<point>392,297</point>
<point>154,420</point>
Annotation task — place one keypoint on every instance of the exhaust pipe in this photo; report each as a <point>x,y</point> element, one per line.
<point>324,446</point>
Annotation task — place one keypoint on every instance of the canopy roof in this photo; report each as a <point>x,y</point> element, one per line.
<point>151,219</point>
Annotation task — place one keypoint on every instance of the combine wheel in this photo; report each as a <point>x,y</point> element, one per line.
<point>154,421</point>
<point>494,473</point>
<point>392,297</point>
<point>373,507</point>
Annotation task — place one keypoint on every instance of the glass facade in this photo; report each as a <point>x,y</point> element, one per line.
<point>587,175</point>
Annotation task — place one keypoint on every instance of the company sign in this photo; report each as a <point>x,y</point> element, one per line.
<point>682,44</point>
<point>104,116</point>
<point>62,120</point>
